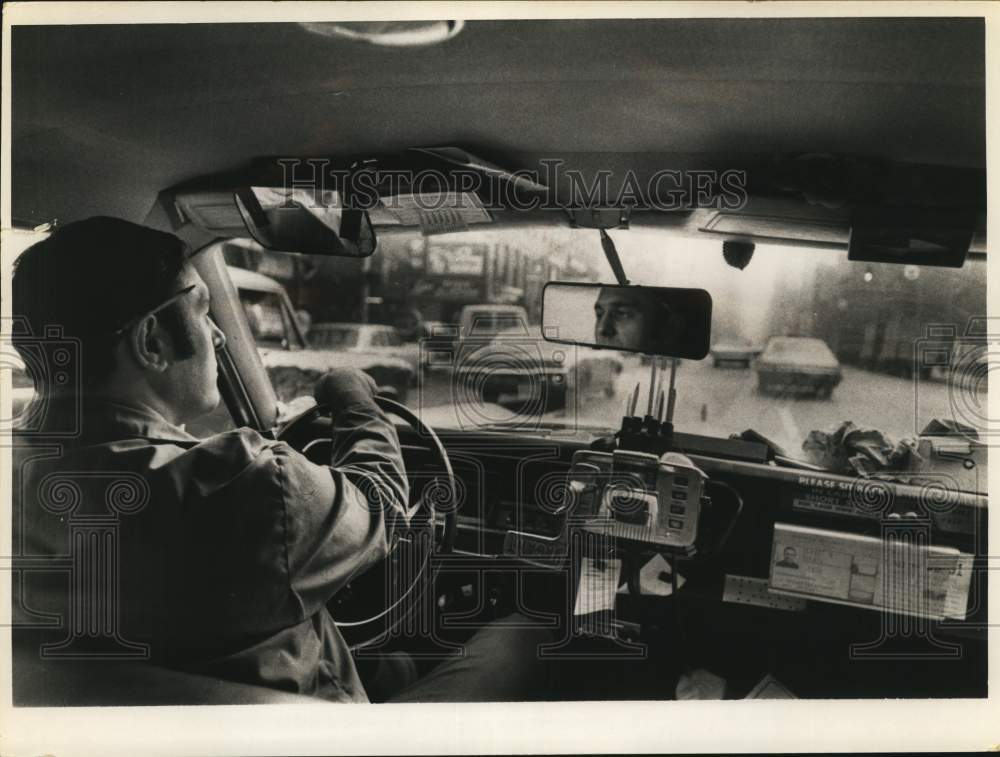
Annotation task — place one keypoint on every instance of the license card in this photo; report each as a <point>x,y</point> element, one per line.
<point>905,577</point>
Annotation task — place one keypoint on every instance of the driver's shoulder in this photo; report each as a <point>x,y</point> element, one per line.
<point>243,457</point>
<point>238,444</point>
<point>241,452</point>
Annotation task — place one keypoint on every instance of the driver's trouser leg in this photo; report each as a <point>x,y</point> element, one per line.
<point>501,663</point>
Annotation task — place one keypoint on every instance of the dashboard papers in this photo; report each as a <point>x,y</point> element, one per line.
<point>654,578</point>
<point>598,585</point>
<point>903,574</point>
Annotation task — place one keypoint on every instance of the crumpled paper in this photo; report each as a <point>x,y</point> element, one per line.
<point>700,684</point>
<point>858,451</point>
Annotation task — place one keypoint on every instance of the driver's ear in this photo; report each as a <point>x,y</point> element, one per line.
<point>148,345</point>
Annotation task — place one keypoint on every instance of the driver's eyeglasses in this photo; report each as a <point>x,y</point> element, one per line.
<point>163,305</point>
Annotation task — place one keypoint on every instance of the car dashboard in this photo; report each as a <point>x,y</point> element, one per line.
<point>728,602</point>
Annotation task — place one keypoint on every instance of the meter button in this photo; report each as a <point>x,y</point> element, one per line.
<point>675,523</point>
<point>677,509</point>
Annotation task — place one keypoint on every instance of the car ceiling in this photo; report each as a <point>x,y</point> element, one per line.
<point>104,117</point>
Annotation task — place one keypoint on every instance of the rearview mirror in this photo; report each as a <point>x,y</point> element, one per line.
<point>311,223</point>
<point>653,320</point>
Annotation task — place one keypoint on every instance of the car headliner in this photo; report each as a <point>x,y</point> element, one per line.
<point>104,117</point>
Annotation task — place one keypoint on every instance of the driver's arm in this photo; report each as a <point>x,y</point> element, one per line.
<point>259,537</point>
<point>338,518</point>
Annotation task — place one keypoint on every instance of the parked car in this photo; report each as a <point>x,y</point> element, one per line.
<point>293,362</point>
<point>376,339</point>
<point>792,364</point>
<point>734,353</point>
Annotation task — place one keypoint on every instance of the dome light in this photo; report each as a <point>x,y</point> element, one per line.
<point>389,33</point>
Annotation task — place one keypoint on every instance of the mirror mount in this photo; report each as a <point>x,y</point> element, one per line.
<point>611,253</point>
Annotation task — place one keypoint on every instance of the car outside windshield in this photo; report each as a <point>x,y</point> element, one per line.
<point>797,348</point>
<point>266,317</point>
<point>333,337</point>
<point>496,324</point>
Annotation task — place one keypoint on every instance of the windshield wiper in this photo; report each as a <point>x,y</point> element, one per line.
<point>776,453</point>
<point>529,428</point>
<point>790,462</point>
<point>544,428</point>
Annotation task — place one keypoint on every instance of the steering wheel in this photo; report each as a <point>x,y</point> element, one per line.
<point>374,604</point>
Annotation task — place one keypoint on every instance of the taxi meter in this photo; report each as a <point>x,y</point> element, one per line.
<point>639,497</point>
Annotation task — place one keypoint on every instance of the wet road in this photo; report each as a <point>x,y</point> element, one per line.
<point>720,401</point>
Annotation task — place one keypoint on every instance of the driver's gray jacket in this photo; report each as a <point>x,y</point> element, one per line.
<point>227,548</point>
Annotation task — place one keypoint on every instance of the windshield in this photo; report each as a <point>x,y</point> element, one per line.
<point>830,340</point>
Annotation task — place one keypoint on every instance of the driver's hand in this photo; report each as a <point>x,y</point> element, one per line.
<point>340,388</point>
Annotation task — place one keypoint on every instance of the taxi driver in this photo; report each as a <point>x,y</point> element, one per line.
<point>227,569</point>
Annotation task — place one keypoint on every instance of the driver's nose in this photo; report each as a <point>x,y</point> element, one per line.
<point>218,337</point>
<point>607,325</point>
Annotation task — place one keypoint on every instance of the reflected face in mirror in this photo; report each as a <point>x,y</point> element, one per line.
<point>621,318</point>
<point>636,319</point>
<point>666,321</point>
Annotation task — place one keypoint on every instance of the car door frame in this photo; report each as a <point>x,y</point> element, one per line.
<point>243,380</point>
